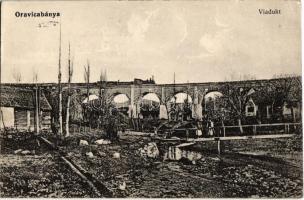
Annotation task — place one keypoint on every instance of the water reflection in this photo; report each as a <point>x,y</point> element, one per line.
<point>176,153</point>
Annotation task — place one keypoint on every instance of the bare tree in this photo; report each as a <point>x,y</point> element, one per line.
<point>103,85</point>
<point>286,89</point>
<point>16,75</point>
<point>87,80</point>
<point>35,76</point>
<point>237,99</point>
<point>70,74</point>
<point>103,82</point>
<point>35,80</point>
<point>106,104</point>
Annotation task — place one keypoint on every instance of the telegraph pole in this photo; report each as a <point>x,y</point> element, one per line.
<point>35,80</point>
<point>59,87</point>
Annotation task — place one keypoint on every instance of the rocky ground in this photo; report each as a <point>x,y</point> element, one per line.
<point>141,176</point>
<point>127,172</point>
<point>241,179</point>
<point>30,170</point>
<point>211,176</point>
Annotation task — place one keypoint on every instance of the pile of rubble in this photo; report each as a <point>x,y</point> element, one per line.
<point>150,150</point>
<point>107,161</point>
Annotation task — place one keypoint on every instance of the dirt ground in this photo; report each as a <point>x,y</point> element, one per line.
<point>120,167</point>
<point>287,149</point>
<point>38,174</point>
<point>143,177</point>
<point>212,176</point>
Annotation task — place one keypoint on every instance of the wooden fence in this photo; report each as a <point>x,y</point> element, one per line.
<point>255,129</point>
<point>258,129</point>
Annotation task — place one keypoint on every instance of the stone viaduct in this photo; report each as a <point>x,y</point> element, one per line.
<point>135,90</point>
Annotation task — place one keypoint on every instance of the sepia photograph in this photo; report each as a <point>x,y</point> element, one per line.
<point>151,99</point>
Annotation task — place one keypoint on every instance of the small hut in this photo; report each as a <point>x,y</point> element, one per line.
<point>18,109</point>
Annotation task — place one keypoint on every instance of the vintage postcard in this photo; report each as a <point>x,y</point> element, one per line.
<point>151,99</point>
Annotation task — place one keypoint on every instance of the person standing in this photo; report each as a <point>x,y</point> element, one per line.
<point>141,122</point>
<point>210,128</point>
<point>199,130</point>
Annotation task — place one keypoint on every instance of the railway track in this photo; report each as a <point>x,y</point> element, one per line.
<point>94,185</point>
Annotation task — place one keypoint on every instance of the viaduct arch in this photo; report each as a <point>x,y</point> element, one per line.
<point>197,91</point>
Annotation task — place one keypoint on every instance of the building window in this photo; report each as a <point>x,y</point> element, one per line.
<point>250,109</point>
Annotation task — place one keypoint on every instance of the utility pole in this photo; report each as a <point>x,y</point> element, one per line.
<point>174,88</point>
<point>174,81</point>
<point>188,90</point>
<point>70,71</point>
<point>104,85</point>
<point>87,80</point>
<point>188,104</point>
<point>36,105</point>
<point>59,87</point>
<point>174,104</point>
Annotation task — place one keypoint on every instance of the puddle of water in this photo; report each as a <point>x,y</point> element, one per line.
<point>257,153</point>
<point>176,153</point>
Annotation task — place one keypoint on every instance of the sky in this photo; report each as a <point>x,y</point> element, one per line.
<point>200,41</point>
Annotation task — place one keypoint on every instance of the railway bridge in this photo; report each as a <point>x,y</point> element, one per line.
<point>137,89</point>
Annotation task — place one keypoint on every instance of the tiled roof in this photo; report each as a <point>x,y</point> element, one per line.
<point>22,98</point>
